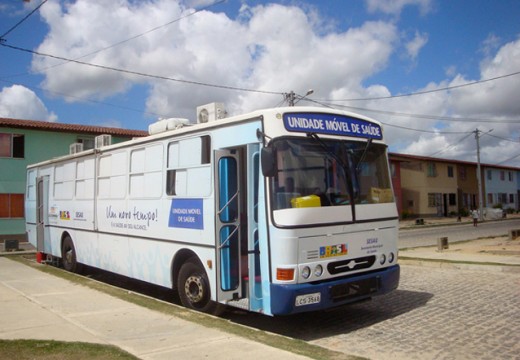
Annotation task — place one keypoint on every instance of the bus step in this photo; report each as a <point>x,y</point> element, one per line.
<point>241,303</point>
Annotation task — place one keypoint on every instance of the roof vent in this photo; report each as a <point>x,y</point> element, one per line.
<point>210,112</point>
<point>167,124</point>
<point>103,140</point>
<point>75,148</point>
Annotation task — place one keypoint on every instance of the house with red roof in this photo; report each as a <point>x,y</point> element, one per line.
<point>24,142</point>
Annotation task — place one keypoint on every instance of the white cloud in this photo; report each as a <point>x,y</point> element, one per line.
<point>416,44</point>
<point>498,98</point>
<point>490,45</point>
<point>18,102</point>
<point>495,102</point>
<point>261,50</point>
<point>394,7</point>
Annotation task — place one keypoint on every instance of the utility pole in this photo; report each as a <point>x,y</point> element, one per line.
<point>479,176</point>
<point>289,97</point>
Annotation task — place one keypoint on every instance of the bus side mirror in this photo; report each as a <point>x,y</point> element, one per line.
<point>267,161</point>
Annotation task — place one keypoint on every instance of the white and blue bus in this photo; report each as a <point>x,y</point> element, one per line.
<point>278,211</point>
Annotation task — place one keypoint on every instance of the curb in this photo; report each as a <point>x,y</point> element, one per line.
<point>454,264</point>
<point>19,252</point>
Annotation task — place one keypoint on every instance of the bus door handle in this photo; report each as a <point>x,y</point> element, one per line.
<point>224,243</point>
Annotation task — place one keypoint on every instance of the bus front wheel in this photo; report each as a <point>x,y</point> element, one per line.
<point>193,287</point>
<point>68,255</point>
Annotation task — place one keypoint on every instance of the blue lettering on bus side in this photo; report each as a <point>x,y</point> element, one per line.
<point>187,214</point>
<point>332,124</point>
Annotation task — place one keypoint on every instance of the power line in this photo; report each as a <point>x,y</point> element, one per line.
<point>128,39</point>
<point>453,145</point>
<point>424,131</point>
<point>501,138</point>
<point>430,91</point>
<point>85,99</point>
<point>511,158</point>
<point>21,21</point>
<point>426,116</point>
<point>130,72</point>
<point>387,124</point>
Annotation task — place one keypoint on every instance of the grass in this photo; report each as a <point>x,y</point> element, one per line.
<point>295,346</point>
<point>58,350</point>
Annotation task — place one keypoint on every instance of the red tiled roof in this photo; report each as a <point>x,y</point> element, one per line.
<point>404,157</point>
<point>76,128</point>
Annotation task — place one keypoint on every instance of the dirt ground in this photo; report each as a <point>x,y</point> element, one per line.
<point>499,250</point>
<point>494,246</point>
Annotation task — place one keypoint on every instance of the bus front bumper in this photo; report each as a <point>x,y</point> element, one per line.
<point>292,299</point>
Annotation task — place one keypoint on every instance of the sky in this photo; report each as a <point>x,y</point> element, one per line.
<point>434,72</point>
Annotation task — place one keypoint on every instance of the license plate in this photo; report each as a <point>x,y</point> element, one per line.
<point>308,299</point>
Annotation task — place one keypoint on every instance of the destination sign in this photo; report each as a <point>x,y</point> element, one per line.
<point>331,124</point>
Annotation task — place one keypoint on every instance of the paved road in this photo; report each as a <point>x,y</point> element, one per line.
<point>428,236</point>
<point>436,313</point>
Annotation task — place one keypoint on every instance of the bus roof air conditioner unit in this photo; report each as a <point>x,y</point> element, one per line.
<point>167,124</point>
<point>75,148</point>
<point>103,140</point>
<point>210,112</point>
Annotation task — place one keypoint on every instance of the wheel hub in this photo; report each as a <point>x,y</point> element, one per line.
<point>193,289</point>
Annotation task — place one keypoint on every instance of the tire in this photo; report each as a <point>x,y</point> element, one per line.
<point>194,290</point>
<point>68,255</point>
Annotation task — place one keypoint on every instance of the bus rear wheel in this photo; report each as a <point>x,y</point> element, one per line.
<point>68,255</point>
<point>193,287</point>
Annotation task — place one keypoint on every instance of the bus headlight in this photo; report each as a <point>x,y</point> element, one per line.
<point>318,270</point>
<point>306,272</point>
<point>382,259</point>
<point>391,257</point>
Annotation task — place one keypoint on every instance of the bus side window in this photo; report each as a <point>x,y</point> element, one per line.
<point>170,182</point>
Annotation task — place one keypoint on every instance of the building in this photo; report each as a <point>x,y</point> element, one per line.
<point>395,170</point>
<point>467,183</point>
<point>24,142</point>
<point>500,187</point>
<point>428,186</point>
<point>442,187</point>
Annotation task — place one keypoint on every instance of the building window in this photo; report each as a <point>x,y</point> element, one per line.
<point>502,175</point>
<point>450,171</point>
<point>502,198</point>
<point>432,200</point>
<point>392,170</point>
<point>11,206</point>
<point>462,173</point>
<point>12,146</point>
<point>510,175</point>
<point>511,198</point>
<point>452,199</point>
<point>432,170</point>
<point>490,199</point>
<point>489,177</point>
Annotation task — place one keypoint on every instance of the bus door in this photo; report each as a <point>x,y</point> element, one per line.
<point>254,276</point>
<point>228,198</point>
<point>42,215</point>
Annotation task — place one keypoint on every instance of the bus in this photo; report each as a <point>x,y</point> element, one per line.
<point>278,211</point>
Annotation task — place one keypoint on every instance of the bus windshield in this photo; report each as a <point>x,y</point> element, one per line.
<point>334,172</point>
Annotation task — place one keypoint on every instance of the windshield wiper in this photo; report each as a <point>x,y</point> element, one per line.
<point>315,137</point>
<point>358,165</point>
<point>348,167</point>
